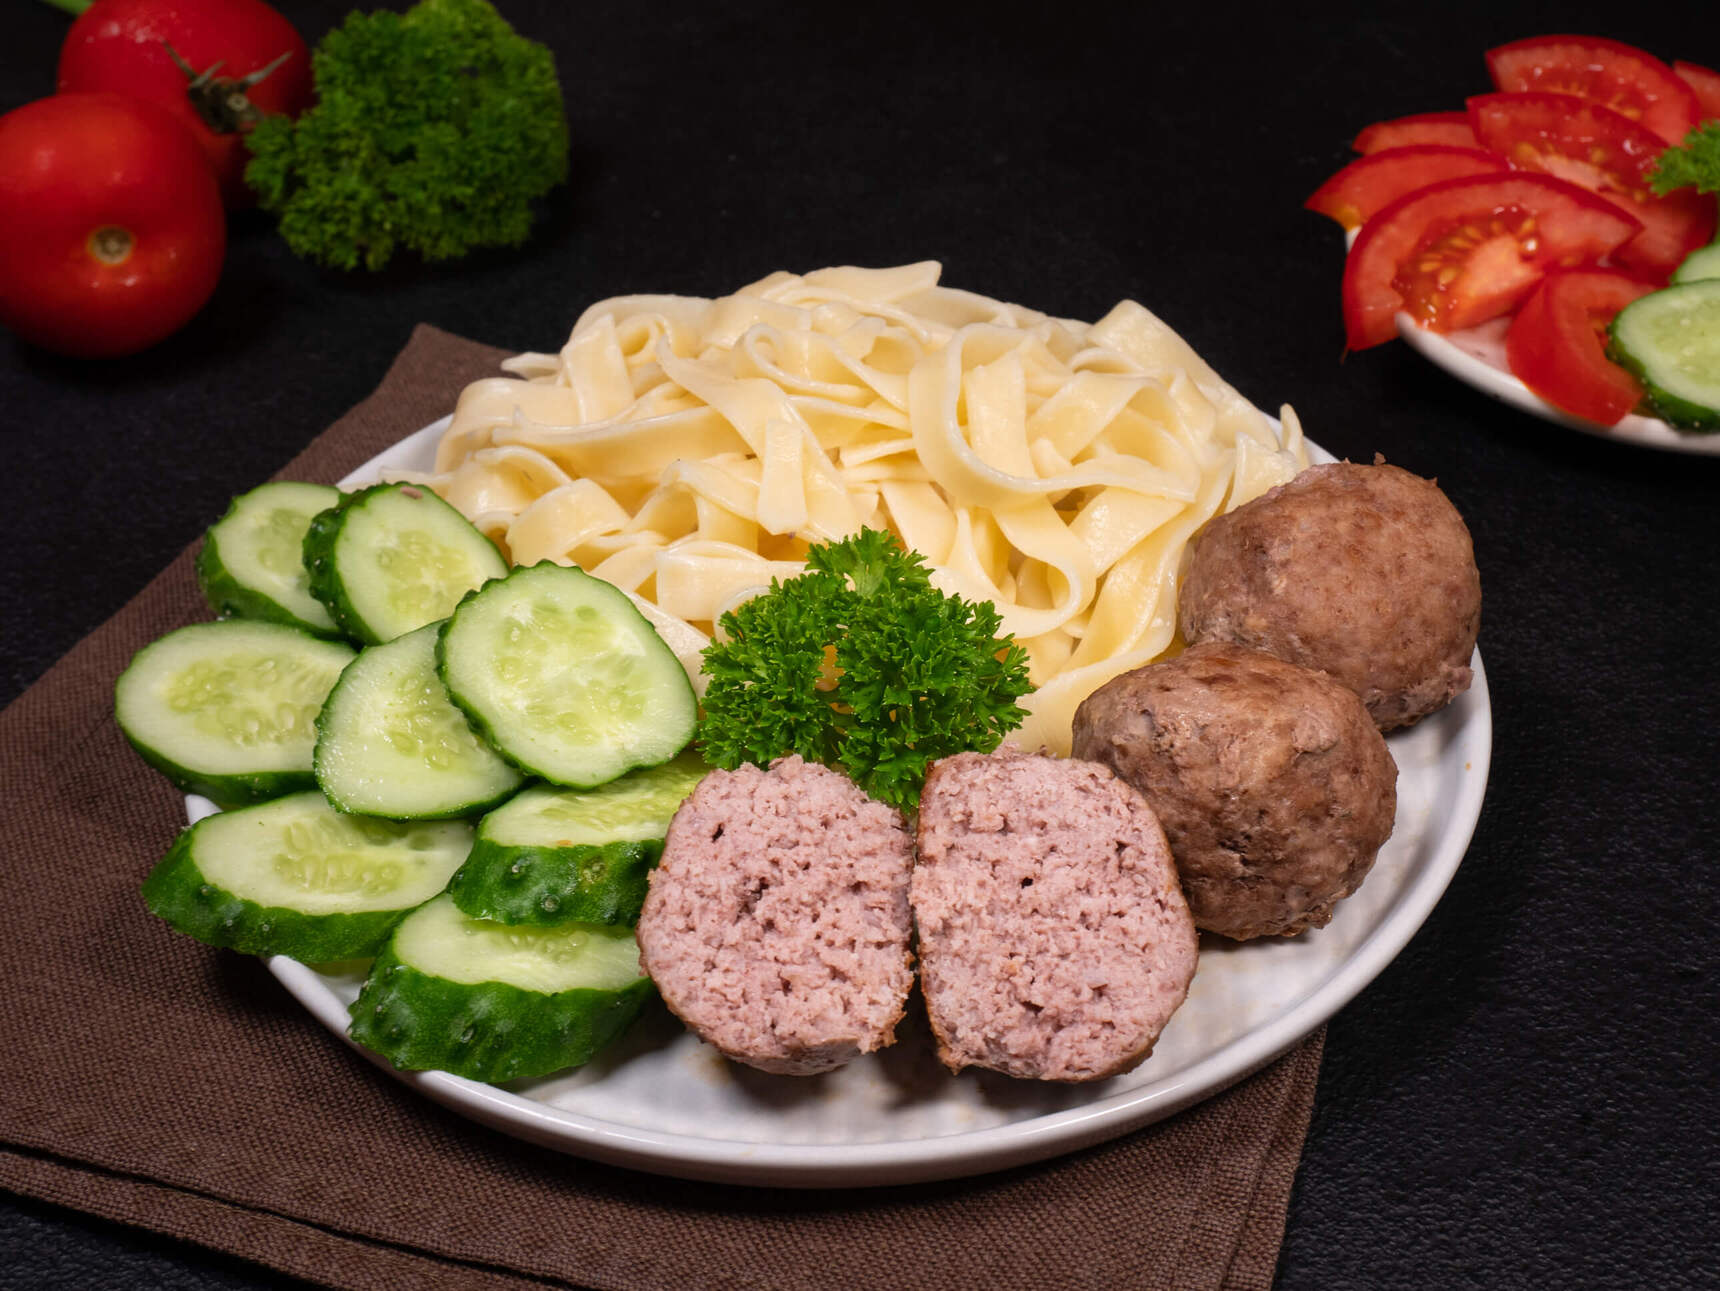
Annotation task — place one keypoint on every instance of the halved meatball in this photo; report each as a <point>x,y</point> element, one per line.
<point>1274,787</point>
<point>1054,939</point>
<point>777,924</point>
<point>1366,573</point>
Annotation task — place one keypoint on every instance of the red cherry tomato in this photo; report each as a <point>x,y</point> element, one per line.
<point>1609,154</point>
<point>114,228</point>
<point>1557,342</point>
<point>1462,251</point>
<point>1450,128</point>
<point>1705,83</point>
<point>1615,75</point>
<point>1369,183</point>
<point>216,64</point>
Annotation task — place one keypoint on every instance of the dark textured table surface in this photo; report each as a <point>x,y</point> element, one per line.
<point>1527,1096</point>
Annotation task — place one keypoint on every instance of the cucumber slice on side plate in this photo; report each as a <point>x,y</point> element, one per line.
<point>552,855</point>
<point>492,1002</point>
<point>1700,264</point>
<point>295,877</point>
<point>394,557</point>
<point>229,709</point>
<point>252,566</point>
<point>565,678</point>
<point>1670,340</point>
<point>391,743</point>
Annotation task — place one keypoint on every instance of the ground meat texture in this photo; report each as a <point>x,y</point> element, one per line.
<point>1274,787</point>
<point>1363,572</point>
<point>777,925</point>
<point>1054,939</point>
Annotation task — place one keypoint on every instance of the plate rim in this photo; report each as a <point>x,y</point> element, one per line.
<point>973,1152</point>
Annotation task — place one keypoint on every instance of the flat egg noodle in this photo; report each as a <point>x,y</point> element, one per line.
<point>690,449</point>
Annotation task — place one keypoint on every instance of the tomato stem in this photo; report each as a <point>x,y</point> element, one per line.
<point>220,101</point>
<point>73,7</point>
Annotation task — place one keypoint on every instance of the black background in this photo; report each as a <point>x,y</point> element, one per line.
<point>1526,1097</point>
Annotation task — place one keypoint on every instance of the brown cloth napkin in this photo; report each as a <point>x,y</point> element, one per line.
<point>153,1081</point>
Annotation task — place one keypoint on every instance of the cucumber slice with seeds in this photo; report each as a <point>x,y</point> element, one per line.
<point>553,855</point>
<point>252,566</point>
<point>391,743</point>
<point>229,709</point>
<point>296,877</point>
<point>492,1002</point>
<point>565,678</point>
<point>394,557</point>
<point>1670,340</point>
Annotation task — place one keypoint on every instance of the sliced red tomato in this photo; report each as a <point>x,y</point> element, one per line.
<point>1613,74</point>
<point>1369,183</point>
<point>1705,83</point>
<point>1605,152</point>
<point>1462,251</point>
<point>1450,128</point>
<point>1557,342</point>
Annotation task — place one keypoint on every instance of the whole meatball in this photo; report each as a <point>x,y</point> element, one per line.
<point>1363,572</point>
<point>1274,788</point>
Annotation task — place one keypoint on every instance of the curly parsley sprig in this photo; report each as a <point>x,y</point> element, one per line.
<point>860,663</point>
<point>1695,163</point>
<point>434,132</point>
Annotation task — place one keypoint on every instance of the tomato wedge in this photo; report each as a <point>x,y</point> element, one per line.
<point>1450,128</point>
<point>1462,251</point>
<point>1369,183</point>
<point>1607,153</point>
<point>1613,74</point>
<point>1557,342</point>
<point>1705,83</point>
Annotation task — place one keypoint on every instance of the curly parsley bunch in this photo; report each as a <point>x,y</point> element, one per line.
<point>433,132</point>
<point>860,663</point>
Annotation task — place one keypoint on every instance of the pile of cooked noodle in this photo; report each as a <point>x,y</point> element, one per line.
<point>688,450</point>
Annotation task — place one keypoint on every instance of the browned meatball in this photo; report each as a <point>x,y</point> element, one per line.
<point>1363,572</point>
<point>1274,788</point>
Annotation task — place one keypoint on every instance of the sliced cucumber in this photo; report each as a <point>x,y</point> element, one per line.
<point>252,562</point>
<point>564,677</point>
<point>296,877</point>
<point>553,855</point>
<point>492,1002</point>
<point>1670,339</point>
<point>391,743</point>
<point>229,709</point>
<point>1699,265</point>
<point>394,557</point>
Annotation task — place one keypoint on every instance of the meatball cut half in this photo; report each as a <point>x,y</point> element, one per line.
<point>1274,787</point>
<point>1054,939</point>
<point>1363,572</point>
<point>777,925</point>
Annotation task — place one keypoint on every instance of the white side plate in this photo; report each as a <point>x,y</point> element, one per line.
<point>1477,357</point>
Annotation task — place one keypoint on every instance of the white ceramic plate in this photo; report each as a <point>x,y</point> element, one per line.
<point>1477,357</point>
<point>664,1102</point>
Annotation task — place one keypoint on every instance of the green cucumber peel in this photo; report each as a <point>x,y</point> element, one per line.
<point>493,1030</point>
<point>553,885</point>
<point>553,856</point>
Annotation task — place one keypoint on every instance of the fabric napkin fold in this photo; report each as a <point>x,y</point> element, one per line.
<point>150,1080</point>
